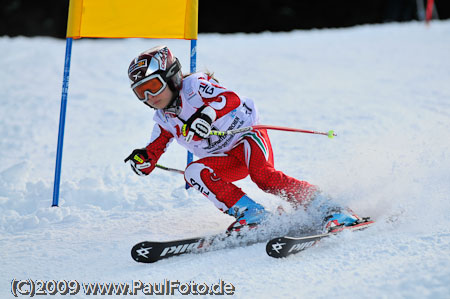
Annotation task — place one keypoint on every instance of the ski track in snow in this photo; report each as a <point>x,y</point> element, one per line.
<point>384,89</point>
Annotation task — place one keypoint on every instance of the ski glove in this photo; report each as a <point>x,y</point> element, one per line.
<point>140,162</point>
<point>199,124</point>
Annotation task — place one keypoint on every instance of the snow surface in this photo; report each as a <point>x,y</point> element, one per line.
<point>384,89</point>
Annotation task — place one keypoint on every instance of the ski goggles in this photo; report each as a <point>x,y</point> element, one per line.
<point>155,84</point>
<point>152,85</point>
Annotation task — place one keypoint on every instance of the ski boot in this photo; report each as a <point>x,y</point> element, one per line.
<point>338,219</point>
<point>247,213</point>
<point>334,216</point>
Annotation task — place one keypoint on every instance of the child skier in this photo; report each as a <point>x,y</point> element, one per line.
<point>187,109</point>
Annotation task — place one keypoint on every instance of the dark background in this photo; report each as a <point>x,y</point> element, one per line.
<point>49,17</point>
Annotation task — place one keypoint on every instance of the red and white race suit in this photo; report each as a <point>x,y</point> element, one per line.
<point>224,159</point>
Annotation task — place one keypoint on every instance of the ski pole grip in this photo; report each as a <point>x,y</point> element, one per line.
<point>331,134</point>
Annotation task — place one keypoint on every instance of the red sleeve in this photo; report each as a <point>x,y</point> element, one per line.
<point>223,103</point>
<point>159,141</point>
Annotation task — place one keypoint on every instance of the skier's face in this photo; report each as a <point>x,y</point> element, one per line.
<point>161,100</point>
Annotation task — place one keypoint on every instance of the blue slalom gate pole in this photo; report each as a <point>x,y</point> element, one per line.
<point>190,156</point>
<point>62,121</point>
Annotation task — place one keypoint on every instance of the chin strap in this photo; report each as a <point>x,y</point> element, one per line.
<point>174,107</point>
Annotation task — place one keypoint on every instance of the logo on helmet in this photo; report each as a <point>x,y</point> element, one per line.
<point>171,71</point>
<point>139,64</point>
<point>161,57</point>
<point>137,76</point>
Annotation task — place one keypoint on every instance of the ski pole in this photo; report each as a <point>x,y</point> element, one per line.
<point>330,133</point>
<point>169,169</point>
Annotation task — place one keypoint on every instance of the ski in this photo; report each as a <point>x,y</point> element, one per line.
<point>285,246</point>
<point>150,251</point>
<point>153,251</point>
